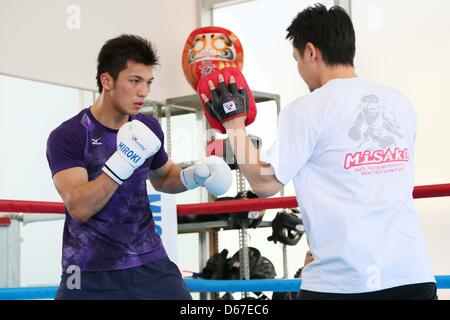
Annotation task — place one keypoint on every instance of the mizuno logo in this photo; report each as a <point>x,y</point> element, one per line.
<point>96,142</point>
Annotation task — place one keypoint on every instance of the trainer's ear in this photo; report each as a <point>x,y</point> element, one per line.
<point>311,53</point>
<point>107,81</point>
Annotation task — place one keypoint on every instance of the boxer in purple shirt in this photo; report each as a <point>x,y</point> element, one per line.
<point>100,160</point>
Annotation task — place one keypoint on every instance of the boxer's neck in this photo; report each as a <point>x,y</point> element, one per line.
<point>104,112</point>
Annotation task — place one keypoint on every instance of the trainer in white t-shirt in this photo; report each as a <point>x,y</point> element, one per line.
<point>349,149</point>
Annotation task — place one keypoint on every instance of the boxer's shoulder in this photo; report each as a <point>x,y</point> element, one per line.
<point>71,129</point>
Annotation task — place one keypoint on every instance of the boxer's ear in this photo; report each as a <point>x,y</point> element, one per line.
<point>106,81</point>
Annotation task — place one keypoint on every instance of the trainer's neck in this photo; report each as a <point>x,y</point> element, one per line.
<point>104,112</point>
<point>336,72</point>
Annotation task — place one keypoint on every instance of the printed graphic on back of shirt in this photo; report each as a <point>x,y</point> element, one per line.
<point>378,131</point>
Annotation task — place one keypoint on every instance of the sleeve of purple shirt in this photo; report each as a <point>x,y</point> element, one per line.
<point>65,148</point>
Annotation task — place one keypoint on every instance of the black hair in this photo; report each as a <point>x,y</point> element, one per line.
<point>331,31</point>
<point>116,52</point>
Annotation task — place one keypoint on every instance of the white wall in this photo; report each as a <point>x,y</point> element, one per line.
<point>41,39</point>
<point>28,112</point>
<point>406,44</point>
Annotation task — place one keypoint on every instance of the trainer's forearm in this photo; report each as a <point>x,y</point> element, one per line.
<point>260,176</point>
<point>86,200</point>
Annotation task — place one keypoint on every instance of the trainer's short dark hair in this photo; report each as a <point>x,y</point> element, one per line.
<point>331,31</point>
<point>116,53</point>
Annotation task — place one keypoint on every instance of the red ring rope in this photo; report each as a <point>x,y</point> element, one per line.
<point>242,205</point>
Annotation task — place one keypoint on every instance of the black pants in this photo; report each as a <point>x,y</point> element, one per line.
<point>157,280</point>
<point>420,291</point>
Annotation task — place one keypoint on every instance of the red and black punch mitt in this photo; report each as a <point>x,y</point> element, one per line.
<point>228,100</point>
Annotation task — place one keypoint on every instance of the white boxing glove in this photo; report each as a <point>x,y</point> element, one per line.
<point>213,173</point>
<point>135,143</point>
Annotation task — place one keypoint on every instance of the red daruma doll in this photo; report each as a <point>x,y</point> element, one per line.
<point>209,49</point>
<point>208,52</point>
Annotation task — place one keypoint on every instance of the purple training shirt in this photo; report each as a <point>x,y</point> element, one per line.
<point>121,235</point>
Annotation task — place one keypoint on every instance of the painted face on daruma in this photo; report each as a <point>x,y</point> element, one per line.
<point>209,49</point>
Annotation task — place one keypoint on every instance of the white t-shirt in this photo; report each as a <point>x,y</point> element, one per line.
<point>349,149</point>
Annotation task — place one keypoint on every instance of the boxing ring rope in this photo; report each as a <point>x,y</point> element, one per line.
<point>231,206</point>
<point>218,207</point>
<point>194,285</point>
